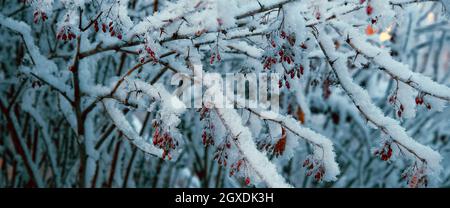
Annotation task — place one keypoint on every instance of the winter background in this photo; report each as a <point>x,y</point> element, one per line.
<point>86,96</point>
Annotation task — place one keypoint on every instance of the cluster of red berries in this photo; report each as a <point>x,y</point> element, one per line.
<point>237,166</point>
<point>415,177</point>
<point>208,131</point>
<point>214,56</point>
<point>393,101</point>
<point>221,154</point>
<point>420,101</point>
<point>286,83</point>
<point>39,15</point>
<point>113,31</point>
<point>296,71</point>
<point>289,38</point>
<point>163,140</point>
<point>147,52</point>
<point>269,61</point>
<point>207,138</point>
<point>400,110</point>
<point>385,153</point>
<point>65,34</point>
<point>314,166</point>
<point>283,54</point>
<point>284,57</point>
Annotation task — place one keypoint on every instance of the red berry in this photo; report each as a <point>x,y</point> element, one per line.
<point>303,45</point>
<point>247,181</point>
<point>369,10</point>
<point>318,176</point>
<point>273,43</point>
<point>306,162</point>
<point>211,60</point>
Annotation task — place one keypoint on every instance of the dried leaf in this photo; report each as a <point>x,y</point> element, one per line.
<point>300,115</point>
<point>281,144</point>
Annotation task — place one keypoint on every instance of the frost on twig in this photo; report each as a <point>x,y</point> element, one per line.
<point>122,123</point>
<point>171,108</point>
<point>264,170</point>
<point>420,153</point>
<point>394,68</point>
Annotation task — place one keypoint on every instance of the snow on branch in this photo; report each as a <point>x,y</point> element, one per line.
<point>395,69</point>
<point>124,126</point>
<point>171,109</point>
<point>258,162</point>
<point>44,67</point>
<point>263,168</point>
<point>423,154</point>
<point>324,150</point>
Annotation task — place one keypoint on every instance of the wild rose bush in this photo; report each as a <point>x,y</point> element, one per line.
<point>98,93</point>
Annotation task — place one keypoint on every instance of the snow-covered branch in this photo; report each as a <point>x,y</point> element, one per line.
<point>392,67</point>
<point>372,113</point>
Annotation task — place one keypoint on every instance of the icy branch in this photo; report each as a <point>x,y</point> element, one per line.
<point>124,126</point>
<point>392,67</point>
<point>263,168</point>
<point>44,67</point>
<point>371,112</point>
